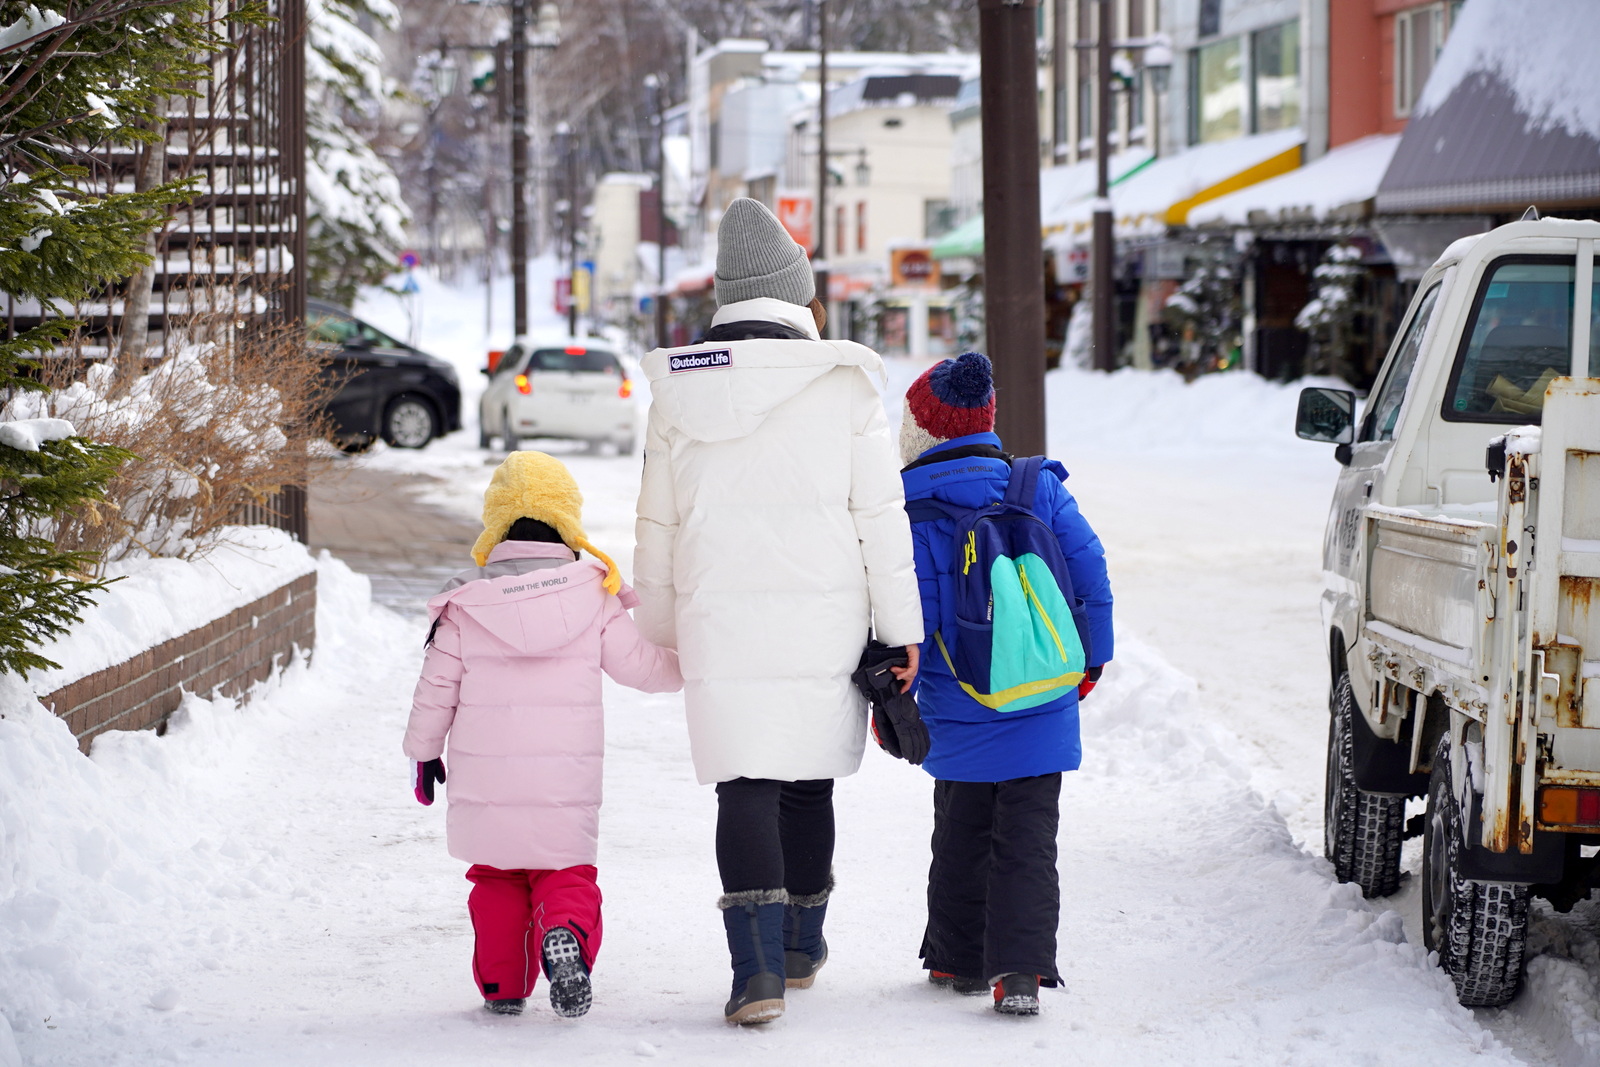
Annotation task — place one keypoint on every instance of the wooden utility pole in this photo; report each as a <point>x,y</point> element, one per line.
<point>821,219</point>
<point>519,167</point>
<point>1102,286</point>
<point>1013,249</point>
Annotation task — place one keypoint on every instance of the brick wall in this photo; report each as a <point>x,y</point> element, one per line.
<point>227,655</point>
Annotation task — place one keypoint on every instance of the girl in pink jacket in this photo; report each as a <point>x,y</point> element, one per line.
<point>511,677</point>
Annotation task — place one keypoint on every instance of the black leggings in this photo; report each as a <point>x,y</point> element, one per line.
<point>775,835</point>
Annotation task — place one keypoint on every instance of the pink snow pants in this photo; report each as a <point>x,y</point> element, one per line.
<point>513,910</point>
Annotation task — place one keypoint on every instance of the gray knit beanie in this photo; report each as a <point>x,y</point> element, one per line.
<point>757,257</point>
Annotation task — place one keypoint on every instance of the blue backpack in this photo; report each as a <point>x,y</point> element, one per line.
<point>1019,642</point>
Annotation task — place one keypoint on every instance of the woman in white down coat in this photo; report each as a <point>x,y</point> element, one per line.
<point>772,536</point>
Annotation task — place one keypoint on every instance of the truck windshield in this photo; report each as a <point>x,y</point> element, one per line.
<point>1518,338</point>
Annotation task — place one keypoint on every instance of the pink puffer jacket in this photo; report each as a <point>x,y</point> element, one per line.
<point>513,677</point>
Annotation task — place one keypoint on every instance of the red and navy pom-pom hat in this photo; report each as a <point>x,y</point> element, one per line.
<point>952,398</point>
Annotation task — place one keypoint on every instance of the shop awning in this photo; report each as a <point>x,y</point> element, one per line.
<point>1165,192</point>
<point>964,240</point>
<point>1338,187</point>
<point>1507,119</point>
<point>1059,187</point>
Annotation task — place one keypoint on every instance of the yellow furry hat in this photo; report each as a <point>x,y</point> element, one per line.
<point>533,485</point>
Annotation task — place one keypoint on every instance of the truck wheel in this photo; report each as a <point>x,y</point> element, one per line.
<point>1361,832</point>
<point>1477,928</point>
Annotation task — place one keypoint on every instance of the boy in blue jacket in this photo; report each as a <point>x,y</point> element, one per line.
<point>994,895</point>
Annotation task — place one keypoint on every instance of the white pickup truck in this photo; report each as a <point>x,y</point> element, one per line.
<point>1462,599</point>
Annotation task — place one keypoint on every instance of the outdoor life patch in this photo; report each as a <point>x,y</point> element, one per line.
<point>721,357</point>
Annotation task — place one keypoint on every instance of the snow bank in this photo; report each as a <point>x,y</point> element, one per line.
<point>110,872</point>
<point>156,600</point>
<point>1136,412</point>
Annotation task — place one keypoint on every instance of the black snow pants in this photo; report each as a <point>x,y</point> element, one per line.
<point>994,896</point>
<point>775,835</point>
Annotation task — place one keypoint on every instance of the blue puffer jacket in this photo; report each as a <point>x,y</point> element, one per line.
<point>971,743</point>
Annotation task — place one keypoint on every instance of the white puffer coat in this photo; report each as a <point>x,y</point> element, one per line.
<point>772,536</point>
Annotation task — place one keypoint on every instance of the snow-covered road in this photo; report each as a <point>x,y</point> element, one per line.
<point>258,887</point>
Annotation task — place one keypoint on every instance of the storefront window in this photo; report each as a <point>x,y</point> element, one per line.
<point>1418,36</point>
<point>1085,109</point>
<point>1217,91</point>
<point>1276,70</point>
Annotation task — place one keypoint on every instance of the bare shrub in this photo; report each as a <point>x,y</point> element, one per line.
<point>227,419</point>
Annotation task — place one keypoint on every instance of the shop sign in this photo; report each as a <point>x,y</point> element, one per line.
<point>913,268</point>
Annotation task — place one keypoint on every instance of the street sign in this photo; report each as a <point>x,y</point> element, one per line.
<point>409,260</point>
<point>563,295</point>
<point>582,285</point>
<point>795,213</point>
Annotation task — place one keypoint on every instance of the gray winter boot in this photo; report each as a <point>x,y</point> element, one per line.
<point>754,924</point>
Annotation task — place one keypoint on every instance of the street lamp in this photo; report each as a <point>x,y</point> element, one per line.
<point>659,304</point>
<point>444,82</point>
<point>445,73</point>
<point>1156,52</point>
<point>547,37</point>
<point>569,149</point>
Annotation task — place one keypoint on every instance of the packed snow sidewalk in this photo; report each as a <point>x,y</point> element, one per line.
<point>259,887</point>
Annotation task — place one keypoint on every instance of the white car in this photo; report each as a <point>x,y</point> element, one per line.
<point>573,388</point>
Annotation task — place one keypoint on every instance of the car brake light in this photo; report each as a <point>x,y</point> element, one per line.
<point>523,385</point>
<point>1562,806</point>
<point>575,350</point>
<point>625,390</point>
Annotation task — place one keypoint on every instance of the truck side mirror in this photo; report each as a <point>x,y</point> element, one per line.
<point>1326,415</point>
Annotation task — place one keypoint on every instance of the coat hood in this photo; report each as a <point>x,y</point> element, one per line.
<point>724,390</point>
<point>531,597</point>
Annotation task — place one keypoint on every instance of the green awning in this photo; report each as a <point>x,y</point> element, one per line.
<point>964,240</point>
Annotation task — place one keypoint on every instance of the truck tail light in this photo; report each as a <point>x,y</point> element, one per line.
<point>625,390</point>
<point>1565,806</point>
<point>523,385</point>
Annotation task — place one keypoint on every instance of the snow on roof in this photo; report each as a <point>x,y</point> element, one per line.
<point>1062,186</point>
<point>1343,179</point>
<point>1145,203</point>
<point>734,44</point>
<point>1542,50</point>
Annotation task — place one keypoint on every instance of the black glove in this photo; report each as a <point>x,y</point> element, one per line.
<point>423,776</point>
<point>897,725</point>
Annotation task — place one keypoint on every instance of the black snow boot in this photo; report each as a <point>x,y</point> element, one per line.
<point>570,994</point>
<point>1017,994</point>
<point>967,987</point>
<point>754,922</point>
<point>804,948</point>
<point>506,1006</point>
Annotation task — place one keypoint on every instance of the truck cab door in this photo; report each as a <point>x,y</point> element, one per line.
<point>1344,544</point>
